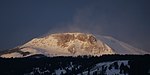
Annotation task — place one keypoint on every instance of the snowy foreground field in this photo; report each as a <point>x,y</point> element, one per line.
<point>81,65</point>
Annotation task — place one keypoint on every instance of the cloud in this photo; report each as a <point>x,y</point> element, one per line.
<point>82,21</point>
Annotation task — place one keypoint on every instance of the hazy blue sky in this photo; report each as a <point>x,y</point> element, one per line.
<point>125,20</point>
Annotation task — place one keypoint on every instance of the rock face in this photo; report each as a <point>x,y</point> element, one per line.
<point>87,42</point>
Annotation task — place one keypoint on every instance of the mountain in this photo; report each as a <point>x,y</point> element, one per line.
<point>72,44</point>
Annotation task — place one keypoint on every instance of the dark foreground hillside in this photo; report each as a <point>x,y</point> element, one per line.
<point>81,65</point>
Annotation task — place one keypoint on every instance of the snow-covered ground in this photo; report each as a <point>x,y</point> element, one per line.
<point>108,68</point>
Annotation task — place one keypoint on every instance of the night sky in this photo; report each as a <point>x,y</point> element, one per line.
<point>125,20</point>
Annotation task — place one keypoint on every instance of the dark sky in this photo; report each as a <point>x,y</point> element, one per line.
<point>125,20</point>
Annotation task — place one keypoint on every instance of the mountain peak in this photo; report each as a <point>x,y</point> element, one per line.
<point>69,44</point>
<point>72,44</point>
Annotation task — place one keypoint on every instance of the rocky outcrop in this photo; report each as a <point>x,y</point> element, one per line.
<point>88,42</point>
<point>63,39</point>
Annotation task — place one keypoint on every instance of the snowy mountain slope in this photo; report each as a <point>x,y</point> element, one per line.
<point>109,68</point>
<point>120,47</point>
<point>72,44</point>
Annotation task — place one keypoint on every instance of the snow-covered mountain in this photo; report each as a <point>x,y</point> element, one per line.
<point>72,44</point>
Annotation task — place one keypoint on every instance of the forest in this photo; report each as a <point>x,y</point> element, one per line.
<point>40,64</point>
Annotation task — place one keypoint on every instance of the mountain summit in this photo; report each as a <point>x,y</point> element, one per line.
<point>72,44</point>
